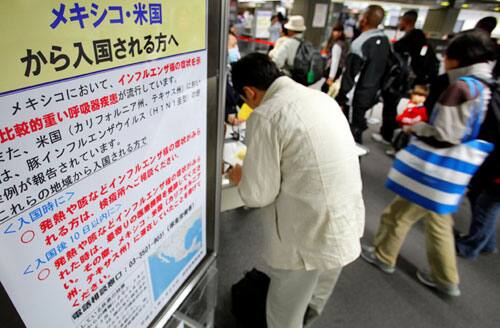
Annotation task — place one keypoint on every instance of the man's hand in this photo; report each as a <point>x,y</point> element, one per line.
<point>329,82</point>
<point>233,120</point>
<point>234,175</point>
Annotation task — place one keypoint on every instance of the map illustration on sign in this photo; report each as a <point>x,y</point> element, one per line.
<point>175,254</point>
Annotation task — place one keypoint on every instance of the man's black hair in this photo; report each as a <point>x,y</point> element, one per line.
<point>374,15</point>
<point>487,24</point>
<point>411,16</point>
<point>471,47</point>
<point>254,70</point>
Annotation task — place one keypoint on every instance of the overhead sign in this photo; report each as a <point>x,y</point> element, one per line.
<point>103,157</point>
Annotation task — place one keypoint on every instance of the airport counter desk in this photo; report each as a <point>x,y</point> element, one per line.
<point>234,153</point>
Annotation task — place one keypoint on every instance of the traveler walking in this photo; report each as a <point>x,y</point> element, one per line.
<point>461,107</point>
<point>284,56</point>
<point>488,25</point>
<point>424,66</point>
<point>297,57</point>
<point>336,53</point>
<point>365,67</point>
<point>484,190</point>
<point>275,29</point>
<point>484,197</point>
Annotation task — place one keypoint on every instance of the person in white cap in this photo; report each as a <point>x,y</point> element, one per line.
<point>284,55</point>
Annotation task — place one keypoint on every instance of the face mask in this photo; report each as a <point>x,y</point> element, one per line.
<point>234,55</point>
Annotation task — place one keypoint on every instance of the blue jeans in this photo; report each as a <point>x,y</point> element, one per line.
<point>482,232</point>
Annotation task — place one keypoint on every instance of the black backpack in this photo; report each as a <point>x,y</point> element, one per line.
<point>426,66</point>
<point>490,130</point>
<point>397,77</point>
<point>248,299</point>
<point>308,65</point>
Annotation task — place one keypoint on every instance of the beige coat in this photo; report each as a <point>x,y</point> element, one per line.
<point>302,165</point>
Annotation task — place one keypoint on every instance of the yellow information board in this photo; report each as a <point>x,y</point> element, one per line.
<point>49,40</point>
<point>103,152</point>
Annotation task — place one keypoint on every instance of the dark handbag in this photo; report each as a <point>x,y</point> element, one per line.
<point>248,299</point>
<point>400,140</point>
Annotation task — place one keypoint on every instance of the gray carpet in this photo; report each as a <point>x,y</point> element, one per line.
<point>364,296</point>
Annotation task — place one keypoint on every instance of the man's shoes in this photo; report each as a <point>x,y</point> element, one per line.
<point>310,317</point>
<point>489,252</point>
<point>459,235</point>
<point>465,256</point>
<point>378,138</point>
<point>449,289</point>
<point>461,239</point>
<point>368,254</point>
<point>358,135</point>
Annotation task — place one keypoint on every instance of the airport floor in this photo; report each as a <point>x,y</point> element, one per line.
<point>364,296</point>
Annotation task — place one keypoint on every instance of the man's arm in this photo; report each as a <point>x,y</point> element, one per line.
<point>261,180</point>
<point>336,54</point>
<point>403,45</point>
<point>353,66</point>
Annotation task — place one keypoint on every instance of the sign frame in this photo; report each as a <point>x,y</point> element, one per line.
<point>216,39</point>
